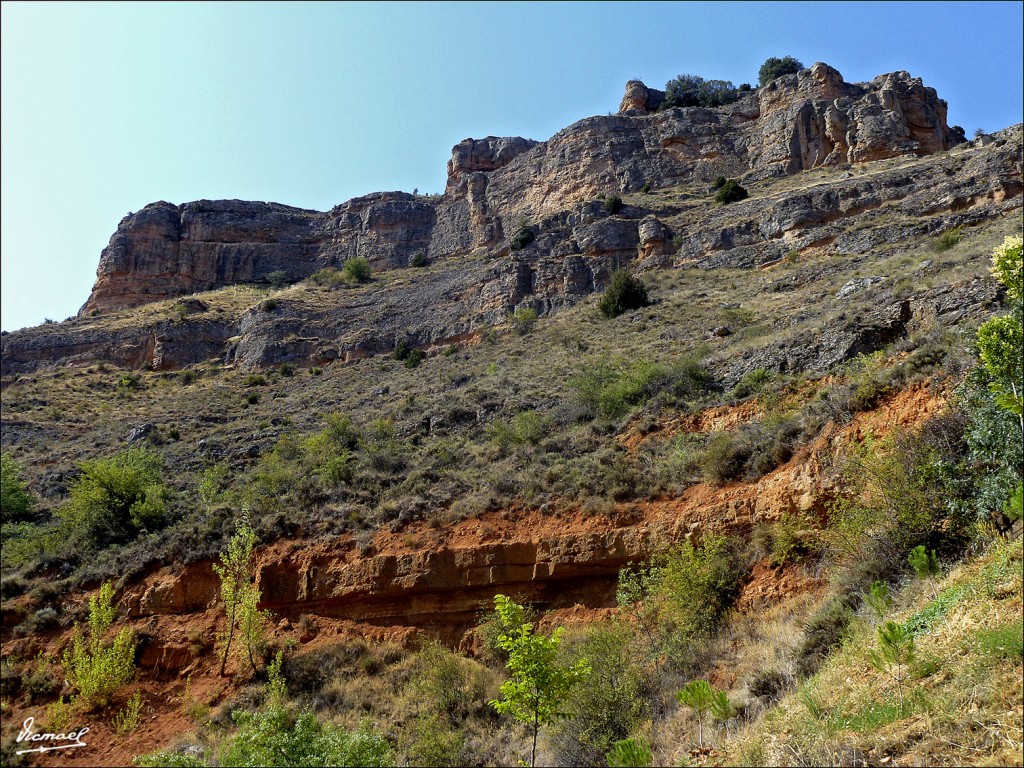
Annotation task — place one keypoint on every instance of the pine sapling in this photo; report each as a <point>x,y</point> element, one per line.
<point>895,654</point>
<point>925,565</point>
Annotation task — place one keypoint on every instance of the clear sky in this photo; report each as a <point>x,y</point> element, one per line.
<point>107,107</point>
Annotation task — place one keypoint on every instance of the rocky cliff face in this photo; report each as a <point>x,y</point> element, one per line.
<point>794,123</point>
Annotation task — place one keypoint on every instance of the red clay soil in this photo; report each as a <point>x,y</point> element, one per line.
<point>438,580</point>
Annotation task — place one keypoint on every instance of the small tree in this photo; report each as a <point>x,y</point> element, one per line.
<point>878,599</point>
<point>895,654</point>
<point>234,571</point>
<point>625,292</point>
<point>97,668</point>
<point>774,67</point>
<point>538,684</point>
<point>925,565</point>
<point>523,320</point>
<point>699,696</point>
<point>1001,339</point>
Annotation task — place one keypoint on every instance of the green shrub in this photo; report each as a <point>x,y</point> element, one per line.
<point>774,67</point>
<point>254,380</point>
<point>94,667</point>
<point>408,354</point>
<point>418,259</point>
<point>328,277</point>
<point>947,240</point>
<point>696,585</point>
<point>624,292</point>
<point>523,320</point>
<point>523,238</point>
<point>277,278</point>
<point>613,204</point>
<point>15,501</point>
<point>695,91</point>
<point>357,270</point>
<point>730,192</point>
<point>116,498</point>
<point>630,753</point>
<point>824,632</point>
<point>607,705</point>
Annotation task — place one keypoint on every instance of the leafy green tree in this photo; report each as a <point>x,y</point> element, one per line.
<point>15,501</point>
<point>895,654</point>
<point>95,667</point>
<point>696,586</point>
<point>538,685</point>
<point>118,497</point>
<point>774,67</point>
<point>523,320</point>
<point>625,292</point>
<point>1001,339</point>
<point>235,573</point>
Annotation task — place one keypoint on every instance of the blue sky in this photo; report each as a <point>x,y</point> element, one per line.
<point>107,107</point>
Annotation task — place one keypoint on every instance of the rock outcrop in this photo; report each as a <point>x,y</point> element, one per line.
<point>794,123</point>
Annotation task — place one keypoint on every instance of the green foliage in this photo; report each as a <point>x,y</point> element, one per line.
<point>825,631</point>
<point>695,91</point>
<point>254,380</point>
<point>538,685</point>
<point>730,192</point>
<point>774,67</point>
<point>523,320</point>
<point>95,667</point>
<point>523,238</point>
<point>695,585</point>
<point>212,484</point>
<point>1014,508</point>
<point>526,428</point>
<point>610,387</point>
<point>624,292</point>
<point>927,617</point>
<point>418,260</point>
<point>924,563</point>
<point>127,720</point>
<point>15,500</point>
<point>1001,642</point>
<point>408,354</point>
<point>116,498</point>
<point>613,204</point>
<point>329,278</point>
<point>235,571</point>
<point>702,698</point>
<point>948,239</point>
<point>1008,267</point>
<point>357,270</point>
<point>895,654</point>
<point>278,278</point>
<point>878,599</point>
<point>630,753</point>
<point>607,705</point>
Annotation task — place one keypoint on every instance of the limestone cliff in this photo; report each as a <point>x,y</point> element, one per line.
<point>794,123</point>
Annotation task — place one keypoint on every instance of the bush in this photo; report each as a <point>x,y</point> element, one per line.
<point>523,320</point>
<point>114,499</point>
<point>408,354</point>
<point>418,259</point>
<point>948,239</point>
<point>695,91</point>
<point>357,270</point>
<point>15,501</point>
<point>277,278</point>
<point>523,238</point>
<point>613,204</point>
<point>625,292</point>
<point>774,67</point>
<point>824,632</point>
<point>610,703</point>
<point>730,192</point>
<point>95,668</point>
<point>254,380</point>
<point>697,585</point>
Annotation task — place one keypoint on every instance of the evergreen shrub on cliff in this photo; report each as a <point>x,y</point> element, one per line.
<point>625,292</point>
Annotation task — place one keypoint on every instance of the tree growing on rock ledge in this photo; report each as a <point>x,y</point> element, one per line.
<point>774,67</point>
